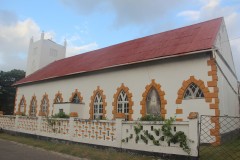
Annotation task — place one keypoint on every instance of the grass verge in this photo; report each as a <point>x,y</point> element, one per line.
<point>226,151</point>
<point>77,150</point>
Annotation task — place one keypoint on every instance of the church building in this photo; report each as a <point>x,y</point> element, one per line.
<point>173,73</point>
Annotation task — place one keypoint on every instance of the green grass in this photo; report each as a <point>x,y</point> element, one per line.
<point>226,151</point>
<point>77,150</point>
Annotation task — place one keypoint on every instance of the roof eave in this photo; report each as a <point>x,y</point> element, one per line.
<point>119,65</point>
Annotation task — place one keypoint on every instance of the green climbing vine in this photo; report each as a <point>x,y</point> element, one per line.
<point>165,133</point>
<point>178,137</point>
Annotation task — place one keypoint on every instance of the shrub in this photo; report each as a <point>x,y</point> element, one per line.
<point>60,115</point>
<point>151,117</point>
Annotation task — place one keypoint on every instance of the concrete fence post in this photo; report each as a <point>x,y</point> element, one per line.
<point>119,119</point>
<point>71,128</point>
<point>39,123</point>
<point>16,123</point>
<point>193,133</point>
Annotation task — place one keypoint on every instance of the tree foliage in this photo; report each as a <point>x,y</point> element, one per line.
<point>7,91</point>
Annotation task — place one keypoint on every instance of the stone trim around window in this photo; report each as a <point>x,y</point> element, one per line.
<point>33,99</point>
<point>41,113</point>
<point>199,83</point>
<point>19,105</point>
<point>161,94</point>
<point>215,104</point>
<point>78,94</point>
<point>115,102</point>
<point>91,105</point>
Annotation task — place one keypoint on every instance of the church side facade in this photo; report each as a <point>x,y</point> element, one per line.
<point>170,79</point>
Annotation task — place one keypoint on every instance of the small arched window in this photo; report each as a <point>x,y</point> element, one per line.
<point>44,105</point>
<point>58,99</point>
<point>75,99</point>
<point>22,106</point>
<point>193,92</point>
<point>153,102</point>
<point>33,107</point>
<point>123,104</point>
<point>98,107</point>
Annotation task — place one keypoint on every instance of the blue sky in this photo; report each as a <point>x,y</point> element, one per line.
<point>93,24</point>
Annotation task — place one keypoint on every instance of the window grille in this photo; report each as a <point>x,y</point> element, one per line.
<point>33,107</point>
<point>75,99</point>
<point>44,105</point>
<point>98,107</point>
<point>22,106</point>
<point>123,104</point>
<point>193,92</point>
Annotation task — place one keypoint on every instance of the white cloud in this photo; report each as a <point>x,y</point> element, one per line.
<point>210,3</point>
<point>190,14</point>
<point>15,36</point>
<point>73,47</point>
<point>212,9</point>
<point>14,40</point>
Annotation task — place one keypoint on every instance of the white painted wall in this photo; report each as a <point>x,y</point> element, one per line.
<point>104,132</point>
<point>68,108</point>
<point>169,73</point>
<point>42,53</point>
<point>228,85</point>
<point>223,45</point>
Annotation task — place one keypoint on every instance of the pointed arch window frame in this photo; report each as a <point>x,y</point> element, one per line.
<point>33,102</point>
<point>58,98</point>
<point>75,94</point>
<point>115,103</point>
<point>199,83</point>
<point>22,104</point>
<point>161,93</point>
<point>123,103</point>
<point>96,92</point>
<point>44,107</point>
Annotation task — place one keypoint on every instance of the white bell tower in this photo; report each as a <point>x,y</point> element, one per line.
<point>43,52</point>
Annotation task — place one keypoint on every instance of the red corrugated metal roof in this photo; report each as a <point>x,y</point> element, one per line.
<point>176,42</point>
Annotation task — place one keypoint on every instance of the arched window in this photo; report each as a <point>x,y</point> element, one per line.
<point>58,98</point>
<point>22,106</point>
<point>153,103</point>
<point>153,100</point>
<point>33,107</point>
<point>75,99</point>
<point>98,107</point>
<point>44,105</point>
<point>123,104</point>
<point>193,92</point>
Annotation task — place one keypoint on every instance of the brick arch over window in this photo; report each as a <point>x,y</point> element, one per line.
<point>30,106</point>
<point>20,104</point>
<point>115,102</point>
<point>41,112</point>
<point>161,94</point>
<point>76,92</point>
<point>185,85</point>
<point>58,95</point>
<point>104,103</point>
